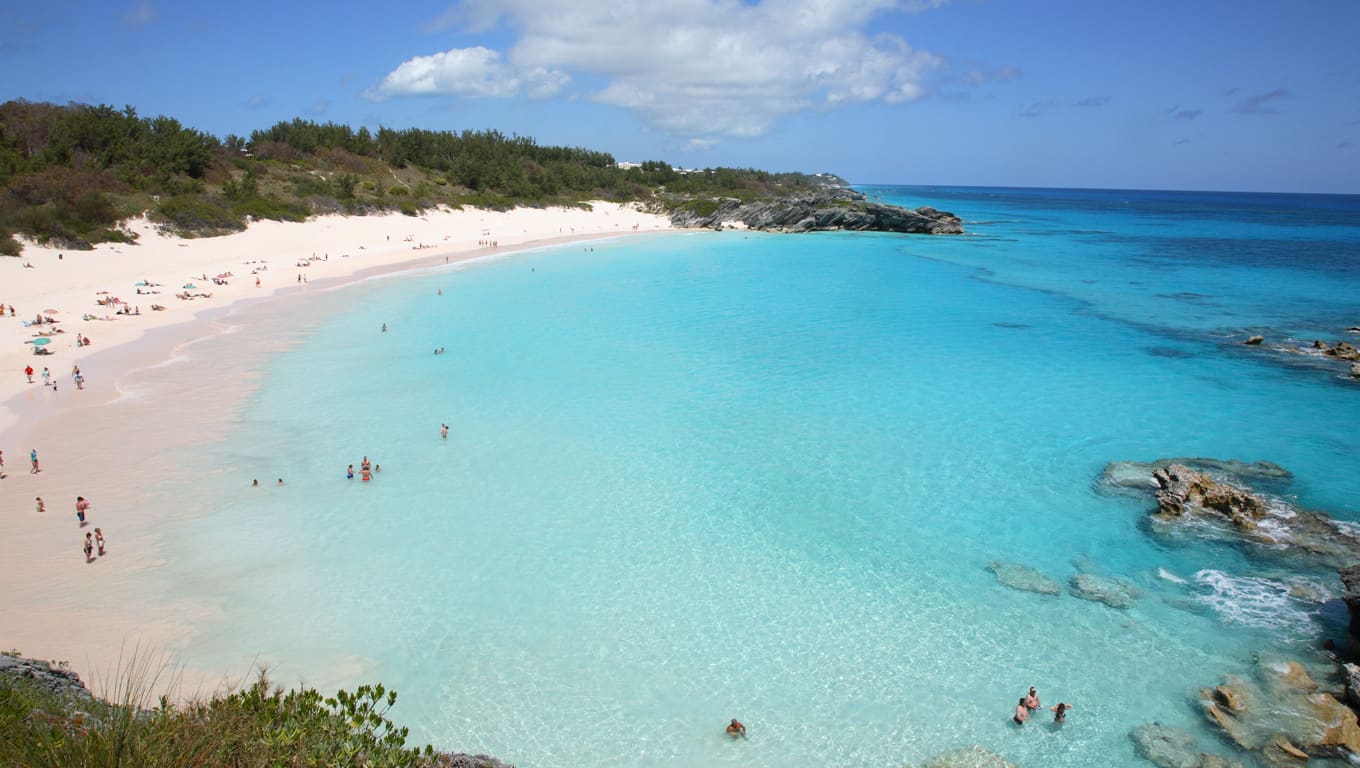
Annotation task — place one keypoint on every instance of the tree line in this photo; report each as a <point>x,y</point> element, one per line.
<point>70,174</point>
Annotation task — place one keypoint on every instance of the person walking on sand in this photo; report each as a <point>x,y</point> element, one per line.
<point>1060,712</point>
<point>33,459</point>
<point>41,506</point>
<point>47,376</point>
<point>89,548</point>
<point>28,371</point>
<point>81,506</point>
<point>735,729</point>
<point>99,541</point>
<point>1021,713</point>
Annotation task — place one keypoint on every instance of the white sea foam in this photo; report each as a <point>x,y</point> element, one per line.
<point>1166,575</point>
<point>1253,602</point>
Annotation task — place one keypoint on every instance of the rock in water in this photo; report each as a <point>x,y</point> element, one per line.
<point>1255,340</point>
<point>1101,589</point>
<point>1137,475</point>
<point>1024,578</point>
<point>1164,746</point>
<point>969,757</point>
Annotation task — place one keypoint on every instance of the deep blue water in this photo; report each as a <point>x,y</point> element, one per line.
<point>710,475</point>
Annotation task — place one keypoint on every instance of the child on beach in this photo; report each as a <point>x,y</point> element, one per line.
<point>89,548</point>
<point>33,459</point>
<point>99,541</point>
<point>41,506</point>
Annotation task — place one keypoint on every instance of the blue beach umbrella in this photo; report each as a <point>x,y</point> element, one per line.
<point>41,342</point>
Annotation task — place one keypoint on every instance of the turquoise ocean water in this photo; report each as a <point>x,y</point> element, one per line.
<point>700,476</point>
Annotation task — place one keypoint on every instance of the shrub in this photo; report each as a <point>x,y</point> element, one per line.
<point>197,215</point>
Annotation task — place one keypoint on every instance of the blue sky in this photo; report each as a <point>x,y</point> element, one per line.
<point>1198,94</point>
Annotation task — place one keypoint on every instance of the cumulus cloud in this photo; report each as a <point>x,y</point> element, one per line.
<point>1184,114</point>
<point>140,14</point>
<point>692,68</point>
<point>1093,101</point>
<point>1263,103</point>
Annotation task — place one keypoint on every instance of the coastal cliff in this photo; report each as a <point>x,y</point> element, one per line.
<point>824,209</point>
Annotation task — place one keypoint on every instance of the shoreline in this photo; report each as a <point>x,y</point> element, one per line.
<point>142,408</point>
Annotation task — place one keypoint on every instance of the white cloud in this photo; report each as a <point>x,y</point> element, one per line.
<point>693,68</point>
<point>468,72</point>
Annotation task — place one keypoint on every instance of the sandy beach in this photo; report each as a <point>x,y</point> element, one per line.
<point>135,412</point>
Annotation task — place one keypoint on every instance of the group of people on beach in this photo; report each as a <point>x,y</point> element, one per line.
<point>1030,702</point>
<point>366,470</point>
<point>94,542</point>
<point>76,376</point>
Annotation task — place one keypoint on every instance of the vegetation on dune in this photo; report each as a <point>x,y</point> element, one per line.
<point>258,726</point>
<point>70,174</point>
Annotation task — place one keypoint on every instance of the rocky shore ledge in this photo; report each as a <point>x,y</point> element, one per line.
<point>826,209</point>
<point>1283,713</point>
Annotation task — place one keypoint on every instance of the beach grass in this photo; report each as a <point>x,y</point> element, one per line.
<point>257,725</point>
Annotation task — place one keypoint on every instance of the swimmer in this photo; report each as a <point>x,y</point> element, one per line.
<point>363,463</point>
<point>255,483</point>
<point>384,328</point>
<point>365,475</point>
<point>280,481</point>
<point>1032,700</point>
<point>1059,711</point>
<point>735,729</point>
<point>444,431</point>
<point>1021,713</point>
<point>377,468</point>
<point>349,472</point>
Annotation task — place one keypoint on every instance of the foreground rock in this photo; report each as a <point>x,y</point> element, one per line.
<point>830,208</point>
<point>1271,525</point>
<point>1350,578</point>
<point>1168,747</point>
<point>1024,578</point>
<point>969,757</point>
<point>62,682</point>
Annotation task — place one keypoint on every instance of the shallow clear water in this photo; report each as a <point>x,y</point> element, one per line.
<point>703,476</point>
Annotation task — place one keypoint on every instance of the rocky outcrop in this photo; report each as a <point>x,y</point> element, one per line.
<point>1168,747</point>
<point>1350,578</point>
<point>969,757</point>
<point>62,682</point>
<point>1282,715</point>
<point>1273,526</point>
<point>1254,340</point>
<point>1182,490</point>
<point>1024,578</point>
<point>460,760</point>
<point>830,208</point>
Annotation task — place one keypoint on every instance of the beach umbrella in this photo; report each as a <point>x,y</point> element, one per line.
<point>50,312</point>
<point>40,342</point>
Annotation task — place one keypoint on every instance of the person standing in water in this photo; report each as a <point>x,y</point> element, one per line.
<point>1021,713</point>
<point>1060,712</point>
<point>444,431</point>
<point>1032,700</point>
<point>735,729</point>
